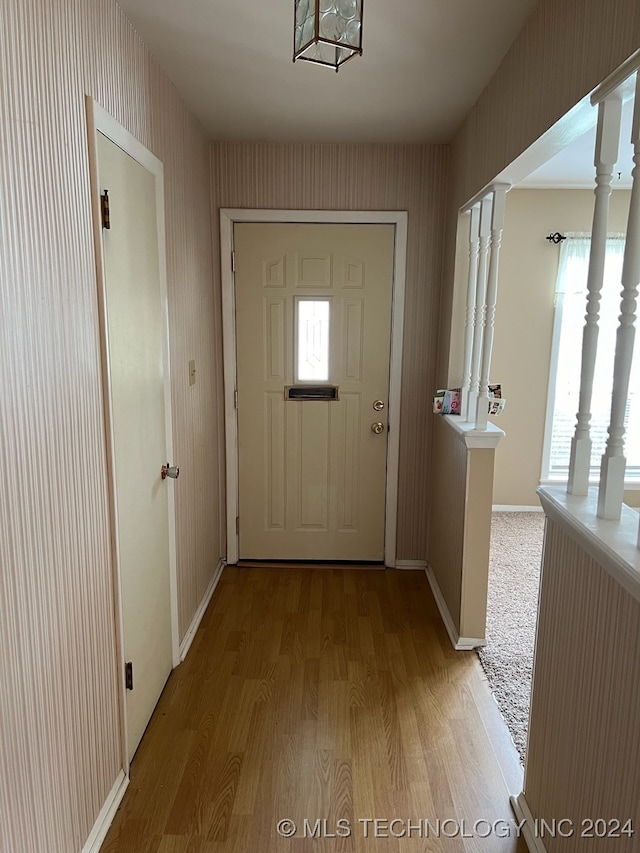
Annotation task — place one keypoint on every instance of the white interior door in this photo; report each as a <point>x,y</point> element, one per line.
<point>313,321</point>
<point>136,389</point>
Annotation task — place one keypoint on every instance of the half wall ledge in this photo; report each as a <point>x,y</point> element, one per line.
<point>460,529</point>
<point>472,437</point>
<point>584,738</point>
<point>612,544</point>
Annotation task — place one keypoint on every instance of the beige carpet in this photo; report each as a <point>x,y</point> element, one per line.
<point>514,577</point>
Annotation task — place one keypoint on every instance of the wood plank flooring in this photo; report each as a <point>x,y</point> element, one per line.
<point>309,564</point>
<point>327,696</point>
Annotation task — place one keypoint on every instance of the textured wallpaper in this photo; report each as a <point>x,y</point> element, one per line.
<point>366,177</point>
<point>60,748</point>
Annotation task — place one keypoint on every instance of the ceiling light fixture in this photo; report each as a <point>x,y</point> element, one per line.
<point>327,32</point>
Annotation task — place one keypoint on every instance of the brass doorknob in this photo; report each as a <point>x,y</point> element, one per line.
<point>377,427</point>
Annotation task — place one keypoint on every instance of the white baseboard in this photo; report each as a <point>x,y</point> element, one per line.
<point>411,564</point>
<point>515,508</point>
<point>185,645</point>
<point>523,815</point>
<point>460,644</point>
<point>107,812</point>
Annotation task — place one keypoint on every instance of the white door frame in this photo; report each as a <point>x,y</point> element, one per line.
<point>99,120</point>
<point>398,218</point>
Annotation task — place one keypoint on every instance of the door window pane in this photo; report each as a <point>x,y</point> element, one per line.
<point>312,326</point>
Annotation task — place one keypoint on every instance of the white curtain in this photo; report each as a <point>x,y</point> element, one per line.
<point>571,304</point>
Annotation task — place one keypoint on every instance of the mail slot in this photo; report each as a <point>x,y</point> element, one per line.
<point>311,392</point>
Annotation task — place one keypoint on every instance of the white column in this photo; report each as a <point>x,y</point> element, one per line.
<point>613,465</point>
<point>497,225</point>
<point>470,317</point>
<point>606,156</point>
<point>481,292</point>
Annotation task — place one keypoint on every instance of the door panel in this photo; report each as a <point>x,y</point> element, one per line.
<point>135,355</point>
<point>312,474</point>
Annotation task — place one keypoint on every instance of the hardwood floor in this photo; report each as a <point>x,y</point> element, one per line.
<point>327,696</point>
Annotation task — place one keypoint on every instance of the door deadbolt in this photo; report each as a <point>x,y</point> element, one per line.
<point>378,405</point>
<point>171,471</point>
<point>377,427</point>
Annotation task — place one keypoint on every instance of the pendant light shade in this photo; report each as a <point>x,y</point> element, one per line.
<point>328,32</point>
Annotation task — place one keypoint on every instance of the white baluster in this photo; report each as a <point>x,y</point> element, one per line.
<point>613,465</point>
<point>470,318</point>
<point>497,225</point>
<point>486,206</point>
<point>606,156</point>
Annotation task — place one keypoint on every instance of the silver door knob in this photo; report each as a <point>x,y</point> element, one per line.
<point>171,471</point>
<point>377,428</point>
<point>378,405</point>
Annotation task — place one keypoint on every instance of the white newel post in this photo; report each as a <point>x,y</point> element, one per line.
<point>470,317</point>
<point>497,225</point>
<point>611,492</point>
<point>486,206</point>
<point>606,156</point>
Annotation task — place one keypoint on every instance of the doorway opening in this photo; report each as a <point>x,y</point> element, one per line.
<point>536,359</point>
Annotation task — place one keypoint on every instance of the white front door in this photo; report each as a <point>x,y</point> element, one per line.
<point>136,390</point>
<point>313,322</point>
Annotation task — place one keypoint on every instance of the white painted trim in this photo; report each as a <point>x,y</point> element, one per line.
<point>411,564</point>
<point>523,815</point>
<point>460,644</point>
<point>594,479</point>
<point>496,186</point>
<point>107,812</point>
<point>583,184</point>
<point>395,389</point>
<point>188,638</point>
<point>99,120</point>
<point>472,437</point>
<point>353,217</point>
<point>229,361</point>
<point>572,125</point>
<point>515,508</point>
<point>120,136</point>
<point>618,79</point>
<point>228,217</point>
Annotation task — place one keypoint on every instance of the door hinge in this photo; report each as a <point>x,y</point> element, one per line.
<point>104,209</point>
<point>237,525</point>
<point>233,261</point>
<point>128,675</point>
<point>235,398</point>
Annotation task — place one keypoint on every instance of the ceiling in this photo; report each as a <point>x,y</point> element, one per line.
<point>423,66</point>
